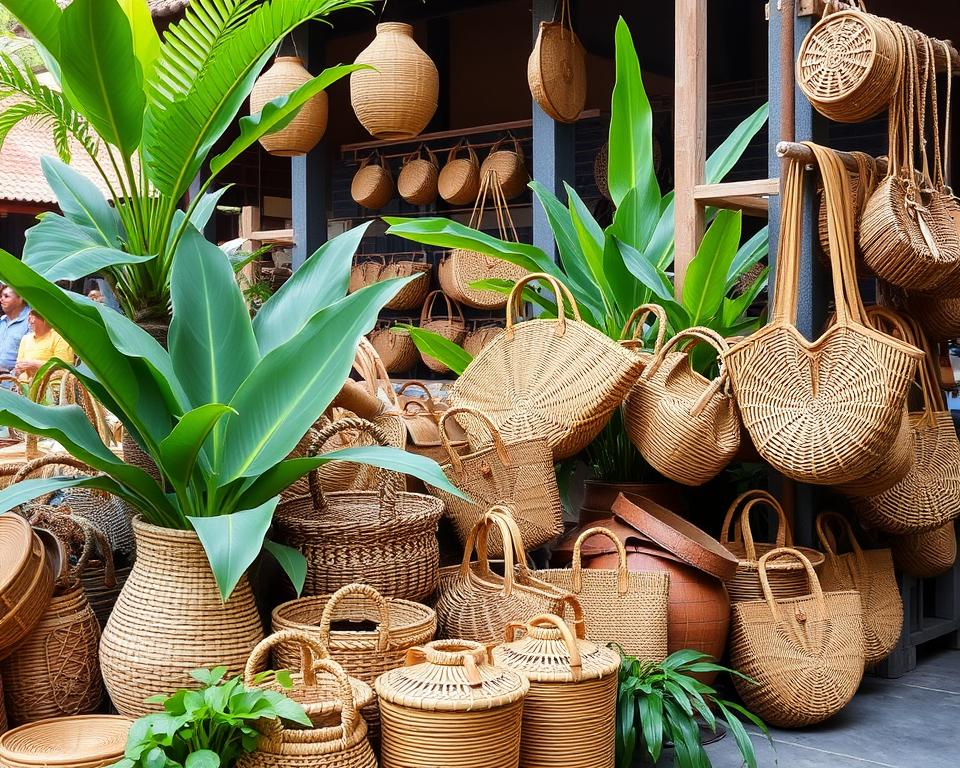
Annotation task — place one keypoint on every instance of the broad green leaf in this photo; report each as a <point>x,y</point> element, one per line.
<point>146,41</point>
<point>432,344</point>
<point>733,309</point>
<point>724,157</point>
<point>651,721</point>
<point>155,758</point>
<point>623,285</point>
<point>41,18</point>
<point>99,66</point>
<point>705,284</point>
<point>232,542</point>
<point>199,216</point>
<point>179,449</point>
<point>202,758</point>
<point>81,201</point>
<point>646,273</point>
<point>635,219</point>
<point>26,490</point>
<point>292,561</point>
<point>682,658</point>
<point>590,238</point>
<point>740,735</point>
<point>750,253</point>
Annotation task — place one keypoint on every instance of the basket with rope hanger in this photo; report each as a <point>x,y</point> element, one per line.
<point>372,186</point>
<point>459,180</point>
<point>507,166</point>
<point>417,182</point>
<point>557,68</point>
<point>365,271</point>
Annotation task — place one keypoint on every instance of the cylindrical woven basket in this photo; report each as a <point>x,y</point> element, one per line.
<point>372,186</point>
<point>557,69</point>
<point>479,337</point>
<point>452,326</point>
<point>417,182</point>
<point>508,167</point>
<point>459,180</point>
<point>302,133</point>
<point>413,293</point>
<point>83,741</point>
<point>451,707</point>
<point>928,554</point>
<point>395,347</point>
<point>26,581</point>
<point>570,712</point>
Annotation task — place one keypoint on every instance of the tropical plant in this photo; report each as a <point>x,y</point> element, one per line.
<point>148,112</point>
<point>209,727</point>
<point>661,704</point>
<point>220,412</point>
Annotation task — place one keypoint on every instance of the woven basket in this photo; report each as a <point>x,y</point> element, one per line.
<point>451,707</point>
<point>479,337</point>
<point>384,538</point>
<point>508,167</point>
<point>459,180</point>
<point>805,654</point>
<point>939,316</point>
<point>417,182</point>
<point>413,293</point>
<point>452,327</point>
<point>600,168</point>
<point>133,454</point>
<point>519,475</point>
<point>620,606</point>
<point>871,574</point>
<point>421,419</point>
<point>3,710</point>
<point>26,581</point>
<point>685,426</point>
<point>557,69</point>
<point>823,412</point>
<point>570,712</point>
<point>372,185</point>
<point>366,272</point>
<point>302,133</point>
<point>553,378</point>
<point>84,741</point>
<point>395,347</point>
<point>928,554</point>
<point>848,65</point>
<point>787,578</point>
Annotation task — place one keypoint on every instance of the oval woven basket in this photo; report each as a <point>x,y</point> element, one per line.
<point>451,326</point>
<point>395,347</point>
<point>479,337</point>
<point>26,581</point>
<point>417,182</point>
<point>372,186</point>
<point>508,166</point>
<point>459,180</point>
<point>928,554</point>
<point>411,295</point>
<point>366,272</point>
<point>557,69</point>
<point>84,741</point>
<point>302,133</point>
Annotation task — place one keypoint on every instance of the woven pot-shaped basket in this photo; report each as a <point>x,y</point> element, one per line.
<point>620,606</point>
<point>306,129</point>
<point>570,712</point>
<point>459,180</point>
<point>451,706</point>
<point>508,167</point>
<point>557,69</point>
<point>822,412</point>
<point>395,347</point>
<point>397,98</point>
<point>417,182</point>
<point>366,272</point>
<point>559,378</point>
<point>848,65</point>
<point>372,185</point>
<point>928,554</point>
<point>26,581</point>
<point>805,653</point>
<point>83,741</point>
<point>685,426</point>
<point>787,578</point>
<point>871,574</point>
<point>413,293</point>
<point>479,337</point>
<point>170,618</point>
<point>451,326</point>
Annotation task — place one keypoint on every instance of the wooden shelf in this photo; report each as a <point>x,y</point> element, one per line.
<point>748,196</point>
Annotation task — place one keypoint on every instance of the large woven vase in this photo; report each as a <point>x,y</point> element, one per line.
<point>169,619</point>
<point>307,128</point>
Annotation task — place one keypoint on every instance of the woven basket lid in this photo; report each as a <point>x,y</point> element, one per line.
<point>72,742</point>
<point>548,652</point>
<point>452,676</point>
<point>16,547</point>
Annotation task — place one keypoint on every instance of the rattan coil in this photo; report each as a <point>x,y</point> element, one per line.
<point>83,741</point>
<point>372,186</point>
<point>459,180</point>
<point>451,326</point>
<point>395,347</point>
<point>928,554</point>
<point>26,581</point>
<point>417,181</point>
<point>507,166</point>
<point>557,68</point>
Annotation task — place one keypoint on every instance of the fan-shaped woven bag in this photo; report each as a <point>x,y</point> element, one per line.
<point>372,185</point>
<point>557,69</point>
<point>822,412</point>
<point>557,378</point>
<point>928,554</point>
<point>459,180</point>
<point>805,653</point>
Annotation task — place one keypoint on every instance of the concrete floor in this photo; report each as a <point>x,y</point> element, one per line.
<point>910,722</point>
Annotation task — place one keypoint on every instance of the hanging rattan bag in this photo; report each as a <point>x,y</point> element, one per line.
<point>862,184</point>
<point>555,378</point>
<point>519,475</point>
<point>507,166</point>
<point>372,185</point>
<point>479,337</point>
<point>805,654</point>
<point>417,182</point>
<point>395,347</point>
<point>928,554</point>
<point>413,293</point>
<point>557,69</point>
<point>871,574</point>
<point>452,327</point>
<point>366,272</point>
<point>625,607</point>
<point>823,412</point>
<point>459,180</point>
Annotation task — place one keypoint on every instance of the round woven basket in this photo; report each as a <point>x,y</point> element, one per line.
<point>84,741</point>
<point>451,326</point>
<point>557,69</point>
<point>26,581</point>
<point>479,337</point>
<point>508,166</point>
<point>302,133</point>
<point>928,554</point>
<point>417,182</point>
<point>372,185</point>
<point>459,180</point>
<point>411,295</point>
<point>395,347</point>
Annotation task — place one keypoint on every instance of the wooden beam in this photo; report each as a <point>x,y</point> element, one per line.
<point>274,236</point>
<point>754,188</point>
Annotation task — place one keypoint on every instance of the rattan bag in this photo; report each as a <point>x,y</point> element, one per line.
<point>507,166</point>
<point>557,68</point>
<point>413,293</point>
<point>632,335</point>
<point>366,272</point>
<point>395,347</point>
<point>928,554</point>
<point>451,326</point>
<point>459,180</point>
<point>372,185</point>
<point>479,337</point>
<point>421,418</point>
<point>417,182</point>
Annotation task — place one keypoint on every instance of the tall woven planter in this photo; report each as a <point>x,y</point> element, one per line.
<point>303,132</point>
<point>169,619</point>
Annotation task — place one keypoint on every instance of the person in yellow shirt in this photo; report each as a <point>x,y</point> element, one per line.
<point>38,346</point>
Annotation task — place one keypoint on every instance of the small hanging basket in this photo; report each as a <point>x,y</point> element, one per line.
<point>557,69</point>
<point>413,293</point>
<point>451,326</point>
<point>459,180</point>
<point>928,554</point>
<point>479,337</point>
<point>395,347</point>
<point>372,185</point>
<point>508,166</point>
<point>417,182</point>
<point>302,133</point>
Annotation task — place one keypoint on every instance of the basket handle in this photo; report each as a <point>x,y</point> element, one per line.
<point>478,540</point>
<point>577,565</point>
<point>427,312</point>
<point>18,386</point>
<point>729,534</point>
<point>455,460</point>
<point>555,622</point>
<point>428,401</point>
<point>696,335</point>
<point>784,535</point>
<point>312,652</point>
<point>357,590</point>
<point>51,459</point>
<point>828,539</point>
<point>462,144</point>
<point>560,291</point>
<point>467,657</point>
<point>812,580</point>
<point>369,365</point>
<point>323,435</point>
<point>633,329</point>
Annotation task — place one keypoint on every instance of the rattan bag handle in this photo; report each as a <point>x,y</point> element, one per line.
<point>554,622</point>
<point>813,581</point>
<point>693,336</point>
<point>784,536</point>
<point>728,533</point>
<point>18,385</point>
<point>331,430</point>
<point>455,461</point>
<point>788,247</point>
<point>357,590</point>
<point>633,328</point>
<point>462,144</point>
<point>560,291</point>
<point>426,312</point>
<point>427,398</point>
<point>477,540</point>
<point>623,576</point>
<point>65,459</point>
<point>452,653</point>
<point>311,653</point>
<point>828,539</point>
<point>369,365</point>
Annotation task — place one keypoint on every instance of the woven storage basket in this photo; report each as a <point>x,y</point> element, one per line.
<point>848,65</point>
<point>570,712</point>
<point>452,326</point>
<point>459,180</point>
<point>939,316</point>
<point>309,124</point>
<point>805,653</point>
<point>84,741</point>
<point>558,378</point>
<point>385,538</point>
<point>871,574</point>
<point>479,337</point>
<point>413,293</point>
<point>928,554</point>
<point>26,581</point>
<point>366,272</point>
<point>625,607</point>
<point>508,167</point>
<point>372,185</point>
<point>557,69</point>
<point>518,475</point>
<point>787,578</point>
<point>474,603</point>
<point>822,412</point>
<point>451,707</point>
<point>395,347</point>
<point>417,182</point>
<point>685,426</point>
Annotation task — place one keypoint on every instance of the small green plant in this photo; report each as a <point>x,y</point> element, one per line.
<point>661,703</point>
<point>210,727</point>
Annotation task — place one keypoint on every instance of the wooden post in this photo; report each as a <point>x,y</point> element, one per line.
<point>690,131</point>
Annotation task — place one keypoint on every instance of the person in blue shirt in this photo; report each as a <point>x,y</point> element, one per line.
<point>13,326</point>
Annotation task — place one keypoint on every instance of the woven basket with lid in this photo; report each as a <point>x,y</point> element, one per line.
<point>569,715</point>
<point>84,741</point>
<point>451,707</point>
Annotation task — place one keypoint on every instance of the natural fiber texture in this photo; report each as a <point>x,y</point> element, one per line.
<point>302,133</point>
<point>862,184</point>
<point>459,180</point>
<point>557,379</point>
<point>421,419</point>
<point>569,714</point>
<point>507,166</point>
<point>928,554</point>
<point>632,335</point>
<point>685,426</point>
<point>805,653</point>
<point>26,581</point>
<point>372,186</point>
<point>822,412</point>
<point>518,475</point>
<point>84,741</point>
<point>871,574</point>
<point>134,455</point>
<point>413,293</point>
<point>479,337</point>
<point>451,707</point>
<point>451,326</point>
<point>395,347</point>
<point>170,618</point>
<point>3,710</point>
<point>417,182</point>
<point>619,606</point>
<point>557,69</point>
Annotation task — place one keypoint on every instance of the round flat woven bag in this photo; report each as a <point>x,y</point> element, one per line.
<point>459,180</point>
<point>570,712</point>
<point>372,185</point>
<point>395,347</point>
<point>413,293</point>
<point>805,653</point>
<point>479,337</point>
<point>451,326</point>
<point>84,741</point>
<point>871,574</point>
<point>928,554</point>
<point>26,581</point>
<point>508,166</point>
<point>557,69</point>
<point>417,182</point>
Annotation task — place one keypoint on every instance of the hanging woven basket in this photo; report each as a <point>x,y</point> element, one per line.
<point>480,336</point>
<point>395,347</point>
<point>414,265</point>
<point>557,69</point>
<point>302,133</point>
<point>417,182</point>
<point>451,326</point>
<point>508,166</point>
<point>459,180</point>
<point>928,554</point>
<point>372,185</point>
